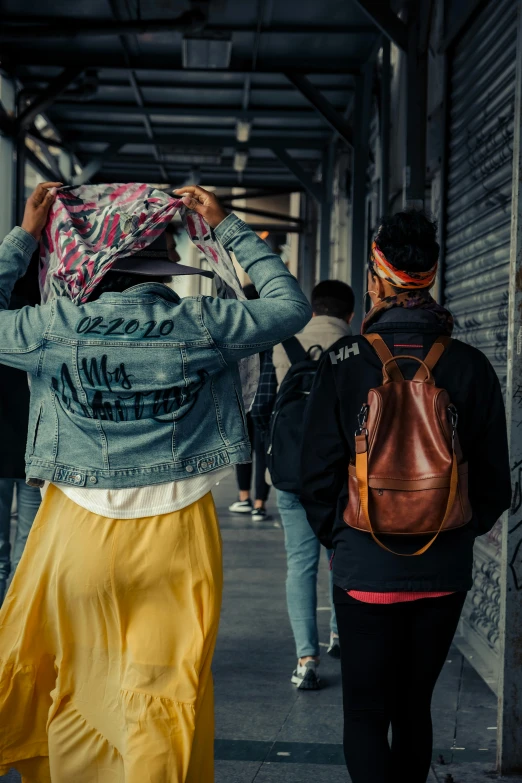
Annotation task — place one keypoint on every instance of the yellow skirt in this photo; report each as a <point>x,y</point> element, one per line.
<point>106,640</point>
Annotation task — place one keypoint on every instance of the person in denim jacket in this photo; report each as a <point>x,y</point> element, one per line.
<point>108,629</point>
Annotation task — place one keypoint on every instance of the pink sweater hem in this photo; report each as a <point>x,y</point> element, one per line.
<point>392,598</point>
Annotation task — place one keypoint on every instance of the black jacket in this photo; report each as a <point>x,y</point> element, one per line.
<point>340,389</point>
<point>14,400</point>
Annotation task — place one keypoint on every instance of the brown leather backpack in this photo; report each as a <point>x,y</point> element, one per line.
<point>409,477</point>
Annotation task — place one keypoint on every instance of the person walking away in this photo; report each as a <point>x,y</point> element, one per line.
<point>244,472</point>
<point>333,306</point>
<point>423,425</point>
<point>108,629</point>
<point>14,417</point>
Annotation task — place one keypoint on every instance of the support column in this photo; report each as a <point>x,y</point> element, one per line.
<point>8,181</point>
<point>509,745</point>
<point>417,79</point>
<point>19,192</point>
<point>362,109</point>
<point>384,195</point>
<point>326,213</point>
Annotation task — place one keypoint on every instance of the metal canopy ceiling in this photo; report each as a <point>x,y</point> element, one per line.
<point>135,113</point>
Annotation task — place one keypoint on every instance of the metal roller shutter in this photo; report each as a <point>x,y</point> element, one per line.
<point>478,218</point>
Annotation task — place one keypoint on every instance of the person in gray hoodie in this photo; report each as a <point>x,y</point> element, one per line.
<point>332,306</point>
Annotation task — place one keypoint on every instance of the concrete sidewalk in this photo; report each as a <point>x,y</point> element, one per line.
<point>266,731</point>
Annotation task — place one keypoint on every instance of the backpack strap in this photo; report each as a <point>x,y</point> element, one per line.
<point>294,350</point>
<point>384,354</point>
<point>433,355</point>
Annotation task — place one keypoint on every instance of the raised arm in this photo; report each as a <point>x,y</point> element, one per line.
<point>239,329</point>
<point>21,331</point>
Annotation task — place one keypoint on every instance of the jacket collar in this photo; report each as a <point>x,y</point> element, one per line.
<point>328,321</point>
<point>144,292</point>
<point>400,318</point>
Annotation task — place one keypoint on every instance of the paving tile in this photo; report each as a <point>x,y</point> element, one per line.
<point>470,772</point>
<point>235,771</point>
<point>250,720</point>
<point>302,773</point>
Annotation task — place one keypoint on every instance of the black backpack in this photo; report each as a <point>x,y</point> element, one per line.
<point>286,423</point>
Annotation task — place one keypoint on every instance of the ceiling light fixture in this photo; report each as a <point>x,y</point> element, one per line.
<point>243,128</point>
<point>206,52</point>
<point>240,161</point>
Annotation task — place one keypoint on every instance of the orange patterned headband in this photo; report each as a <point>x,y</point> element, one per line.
<point>397,277</point>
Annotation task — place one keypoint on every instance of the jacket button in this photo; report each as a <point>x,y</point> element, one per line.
<point>189,469</point>
<point>93,479</point>
<point>203,465</point>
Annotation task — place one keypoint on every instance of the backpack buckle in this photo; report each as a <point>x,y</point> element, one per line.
<point>362,418</point>
<point>454,419</point>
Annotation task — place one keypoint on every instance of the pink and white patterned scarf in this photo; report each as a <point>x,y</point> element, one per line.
<point>91,226</point>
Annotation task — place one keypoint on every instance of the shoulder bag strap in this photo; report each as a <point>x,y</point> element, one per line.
<point>294,350</point>
<point>433,355</point>
<point>384,354</point>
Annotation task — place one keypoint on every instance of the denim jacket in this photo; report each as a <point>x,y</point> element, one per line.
<point>142,387</point>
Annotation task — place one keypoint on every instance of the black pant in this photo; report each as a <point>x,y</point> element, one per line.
<point>244,472</point>
<point>391,657</point>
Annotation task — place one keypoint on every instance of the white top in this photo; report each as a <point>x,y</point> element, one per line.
<point>137,502</point>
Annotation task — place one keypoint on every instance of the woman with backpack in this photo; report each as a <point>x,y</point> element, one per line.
<point>404,464</point>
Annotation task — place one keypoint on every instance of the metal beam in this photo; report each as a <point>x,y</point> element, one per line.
<point>362,114</point>
<point>275,228</point>
<point>172,63</point>
<point>7,123</point>
<point>48,142</point>
<point>182,110</point>
<point>509,747</point>
<point>184,139</point>
<point>94,165</point>
<point>322,105</point>
<point>46,98</point>
<point>325,229</point>
<point>465,17</point>
<point>226,179</point>
<point>262,212</point>
<point>17,27</point>
<point>36,82</point>
<point>37,164</point>
<point>265,193</point>
<point>298,171</point>
<point>386,20</point>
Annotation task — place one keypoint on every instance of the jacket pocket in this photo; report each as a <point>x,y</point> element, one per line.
<point>242,412</point>
<point>36,428</point>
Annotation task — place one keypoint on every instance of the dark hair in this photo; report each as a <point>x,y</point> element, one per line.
<point>121,281</point>
<point>332,297</point>
<point>408,240</point>
<point>250,292</point>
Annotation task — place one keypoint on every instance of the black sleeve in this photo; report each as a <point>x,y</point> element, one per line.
<point>324,458</point>
<point>488,456</point>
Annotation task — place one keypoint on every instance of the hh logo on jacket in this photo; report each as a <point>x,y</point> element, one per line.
<point>344,353</point>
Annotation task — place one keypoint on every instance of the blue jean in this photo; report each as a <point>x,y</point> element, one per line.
<point>28,502</point>
<point>303,555</point>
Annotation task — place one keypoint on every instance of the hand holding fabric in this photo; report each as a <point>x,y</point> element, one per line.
<point>37,208</point>
<point>203,202</point>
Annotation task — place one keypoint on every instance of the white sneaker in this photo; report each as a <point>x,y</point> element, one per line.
<point>241,507</point>
<point>259,515</point>
<point>305,677</point>
<point>334,650</point>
